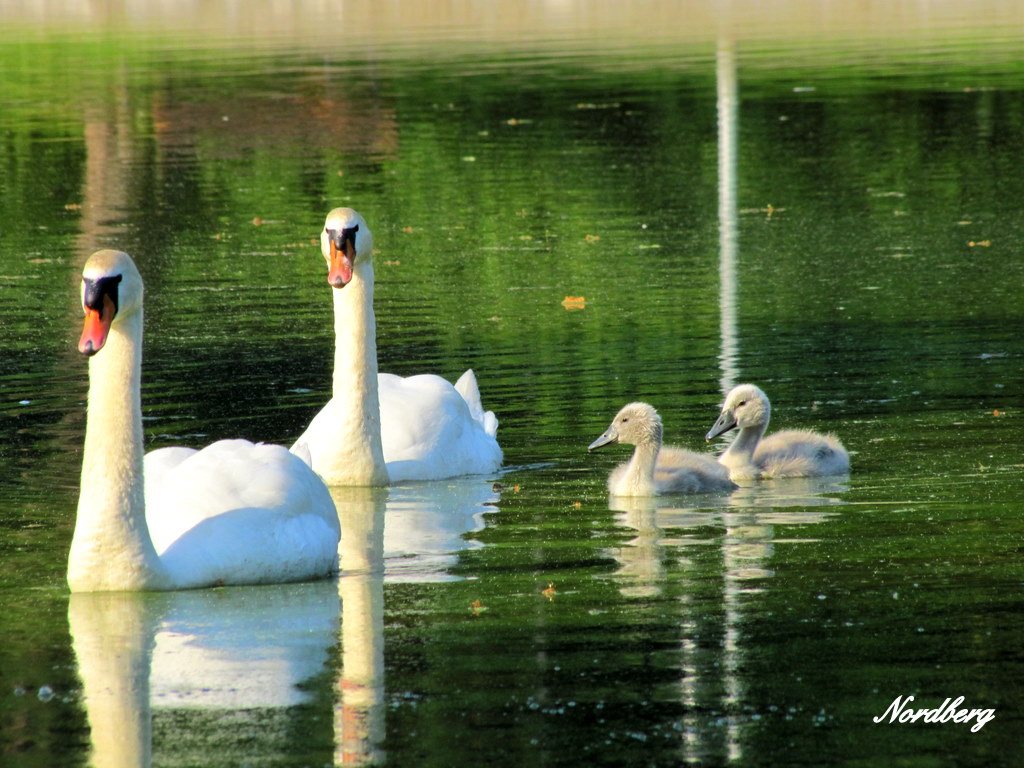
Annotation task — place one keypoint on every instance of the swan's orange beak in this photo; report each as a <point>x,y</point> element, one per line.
<point>96,327</point>
<point>341,264</point>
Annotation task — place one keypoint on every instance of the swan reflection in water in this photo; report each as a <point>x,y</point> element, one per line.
<point>744,521</point>
<point>219,665</point>
<point>235,653</point>
<point>714,543</point>
<point>429,524</point>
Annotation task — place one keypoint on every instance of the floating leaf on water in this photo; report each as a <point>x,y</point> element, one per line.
<point>769,209</point>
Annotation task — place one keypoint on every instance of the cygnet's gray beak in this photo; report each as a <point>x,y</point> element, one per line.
<point>610,437</point>
<point>725,422</point>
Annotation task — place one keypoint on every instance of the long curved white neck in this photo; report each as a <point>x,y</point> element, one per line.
<point>739,456</point>
<point>111,548</point>
<point>358,458</point>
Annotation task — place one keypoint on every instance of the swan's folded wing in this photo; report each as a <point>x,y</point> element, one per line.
<point>469,389</point>
<point>164,460</point>
<point>428,431</point>
<point>684,471</point>
<point>235,475</point>
<point>801,453</point>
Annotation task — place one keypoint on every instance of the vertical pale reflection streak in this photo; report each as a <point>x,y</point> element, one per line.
<point>359,702</point>
<point>728,109</point>
<point>728,228</point>
<point>733,545</point>
<point>112,152</point>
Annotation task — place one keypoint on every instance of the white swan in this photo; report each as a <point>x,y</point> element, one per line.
<point>381,428</point>
<point>789,453</point>
<point>233,513</point>
<point>655,469</point>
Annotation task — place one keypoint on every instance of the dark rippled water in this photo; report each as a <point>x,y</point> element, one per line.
<point>828,209</point>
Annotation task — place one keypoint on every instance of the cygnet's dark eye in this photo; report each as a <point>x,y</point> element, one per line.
<point>625,419</point>
<point>742,403</point>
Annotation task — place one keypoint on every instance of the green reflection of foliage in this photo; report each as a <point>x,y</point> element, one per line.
<point>497,191</point>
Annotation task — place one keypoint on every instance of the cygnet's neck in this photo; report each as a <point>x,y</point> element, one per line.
<point>111,548</point>
<point>359,459</point>
<point>638,478</point>
<point>739,456</point>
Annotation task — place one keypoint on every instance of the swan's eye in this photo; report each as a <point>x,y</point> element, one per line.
<point>742,403</point>
<point>625,419</point>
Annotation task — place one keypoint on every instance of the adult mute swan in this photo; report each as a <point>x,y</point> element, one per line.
<point>232,513</point>
<point>381,428</point>
<point>655,469</point>
<point>789,453</point>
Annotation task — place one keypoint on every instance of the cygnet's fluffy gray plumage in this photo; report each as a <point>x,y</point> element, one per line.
<point>655,469</point>
<point>789,453</point>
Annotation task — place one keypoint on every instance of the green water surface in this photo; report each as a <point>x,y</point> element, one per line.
<point>873,209</point>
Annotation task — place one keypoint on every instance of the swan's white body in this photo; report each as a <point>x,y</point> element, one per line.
<point>381,428</point>
<point>233,513</point>
<point>789,453</point>
<point>655,469</point>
